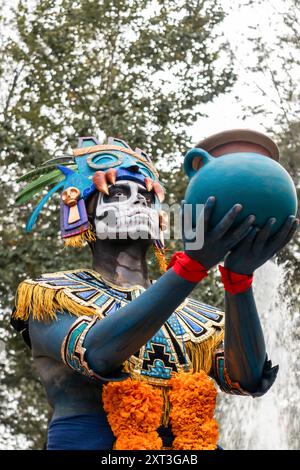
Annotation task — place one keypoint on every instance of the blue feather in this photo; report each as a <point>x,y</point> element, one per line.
<point>33,218</point>
<point>65,170</point>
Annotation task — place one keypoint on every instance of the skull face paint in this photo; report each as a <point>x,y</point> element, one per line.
<point>127,212</point>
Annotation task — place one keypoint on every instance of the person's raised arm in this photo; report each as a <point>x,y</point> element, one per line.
<point>110,341</point>
<point>245,351</point>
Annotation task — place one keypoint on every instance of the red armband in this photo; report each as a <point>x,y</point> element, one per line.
<point>235,283</point>
<point>187,267</point>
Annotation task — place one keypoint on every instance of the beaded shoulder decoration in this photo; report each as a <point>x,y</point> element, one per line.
<point>185,342</point>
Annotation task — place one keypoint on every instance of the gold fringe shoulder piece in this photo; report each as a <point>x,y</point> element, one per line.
<point>43,303</point>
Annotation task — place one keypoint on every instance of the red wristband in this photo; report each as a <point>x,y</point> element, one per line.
<point>187,267</point>
<point>235,283</point>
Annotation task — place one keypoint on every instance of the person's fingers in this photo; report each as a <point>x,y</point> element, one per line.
<point>278,239</point>
<point>183,216</point>
<point>181,211</point>
<point>246,243</point>
<point>292,231</point>
<point>186,220</point>
<point>204,219</point>
<point>264,233</point>
<point>208,209</point>
<point>183,202</point>
<point>234,236</point>
<point>224,225</point>
<point>290,235</point>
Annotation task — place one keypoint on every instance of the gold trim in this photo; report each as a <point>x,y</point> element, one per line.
<point>210,325</point>
<point>106,147</point>
<point>135,287</point>
<point>97,148</point>
<point>98,276</point>
<point>44,300</point>
<point>78,347</point>
<point>134,364</point>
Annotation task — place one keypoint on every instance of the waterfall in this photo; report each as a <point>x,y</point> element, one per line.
<point>271,421</point>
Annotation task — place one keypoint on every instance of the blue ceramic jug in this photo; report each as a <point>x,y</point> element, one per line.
<point>260,184</point>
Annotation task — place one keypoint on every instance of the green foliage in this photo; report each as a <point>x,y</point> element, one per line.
<point>134,69</point>
<point>289,145</point>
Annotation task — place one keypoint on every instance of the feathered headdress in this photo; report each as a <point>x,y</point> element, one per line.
<point>91,168</point>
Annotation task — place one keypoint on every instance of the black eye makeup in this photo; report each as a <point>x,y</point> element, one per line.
<point>119,192</point>
<point>149,196</point>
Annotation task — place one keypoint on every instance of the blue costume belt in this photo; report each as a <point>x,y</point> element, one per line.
<point>80,432</point>
<point>89,432</point>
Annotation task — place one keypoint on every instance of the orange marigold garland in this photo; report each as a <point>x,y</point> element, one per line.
<point>193,399</point>
<point>134,410</point>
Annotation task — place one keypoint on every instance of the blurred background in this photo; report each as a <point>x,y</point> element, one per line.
<point>161,75</point>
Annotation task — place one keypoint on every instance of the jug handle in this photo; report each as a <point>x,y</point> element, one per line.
<point>195,159</point>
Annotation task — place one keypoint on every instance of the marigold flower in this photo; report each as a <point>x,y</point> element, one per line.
<point>134,411</point>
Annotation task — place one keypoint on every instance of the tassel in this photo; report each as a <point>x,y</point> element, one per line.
<point>44,303</point>
<point>78,241</point>
<point>202,354</point>
<point>166,406</point>
<point>161,259</point>
<point>90,236</point>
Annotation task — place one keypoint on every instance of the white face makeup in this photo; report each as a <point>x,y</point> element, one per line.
<point>127,212</point>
